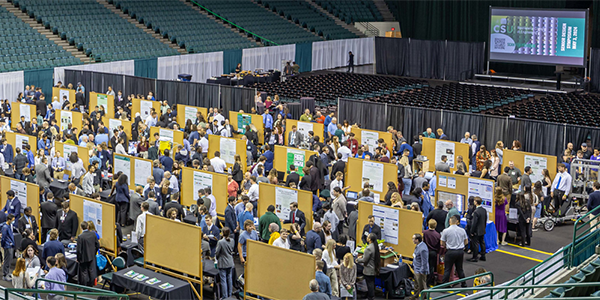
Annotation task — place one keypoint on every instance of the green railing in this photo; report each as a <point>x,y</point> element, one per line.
<point>36,291</point>
<point>585,240</point>
<point>262,39</point>
<point>439,288</point>
<point>426,293</point>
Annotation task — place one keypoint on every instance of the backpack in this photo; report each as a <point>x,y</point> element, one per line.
<point>404,289</point>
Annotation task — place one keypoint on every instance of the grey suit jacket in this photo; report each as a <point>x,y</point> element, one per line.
<point>368,260</point>
<point>442,167</point>
<point>43,177</point>
<point>153,209</point>
<point>297,140</point>
<point>135,206</point>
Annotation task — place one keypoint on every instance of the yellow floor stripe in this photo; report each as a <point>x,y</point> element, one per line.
<point>531,249</point>
<point>519,255</point>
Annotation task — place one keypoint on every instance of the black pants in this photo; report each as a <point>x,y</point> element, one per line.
<point>432,266</point>
<point>44,234</point>
<point>86,273</point>
<point>454,258</point>
<point>122,213</point>
<point>558,194</point>
<point>525,229</point>
<point>370,286</point>
<point>340,227</point>
<point>350,67</point>
<point>476,242</point>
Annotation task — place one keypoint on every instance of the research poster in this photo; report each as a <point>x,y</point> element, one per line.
<point>142,169</point>
<point>25,112</point>
<point>372,173</point>
<point>21,141</point>
<point>283,198</point>
<point>112,125</point>
<point>369,138</point>
<point>63,94</point>
<point>66,118</point>
<point>537,164</point>
<point>445,148</point>
<point>190,113</point>
<point>296,158</point>
<point>243,120</point>
<point>452,182</point>
<point>228,150</point>
<point>304,128</point>
<point>92,211</point>
<point>123,165</point>
<point>67,150</point>
<point>201,180</point>
<point>483,189</point>
<point>145,109</point>
<point>165,134</point>
<point>20,189</point>
<point>389,220</point>
<point>442,180</point>
<point>102,100</point>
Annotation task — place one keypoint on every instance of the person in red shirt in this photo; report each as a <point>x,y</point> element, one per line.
<point>319,118</point>
<point>352,144</point>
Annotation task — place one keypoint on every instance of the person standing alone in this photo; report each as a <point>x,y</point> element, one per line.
<point>350,62</point>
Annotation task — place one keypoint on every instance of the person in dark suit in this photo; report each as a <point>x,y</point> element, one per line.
<point>338,166</point>
<point>174,203</point>
<point>478,230</point>
<point>439,215</point>
<point>296,216</point>
<point>48,210</point>
<point>27,222</point>
<point>306,181</point>
<point>370,228</point>
<point>13,205</point>
<point>293,176</point>
<point>66,223</point>
<point>314,172</point>
<point>212,234</point>
<point>230,218</point>
<point>87,247</point>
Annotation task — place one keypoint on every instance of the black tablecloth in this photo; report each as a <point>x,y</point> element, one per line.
<point>180,289</point>
<point>221,81</point>
<point>190,219</point>
<point>127,246</point>
<point>390,277</point>
<point>59,189</point>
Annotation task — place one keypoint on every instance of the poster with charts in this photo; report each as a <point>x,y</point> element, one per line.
<point>445,148</point>
<point>389,220</point>
<point>283,198</point>
<point>537,164</point>
<point>166,134</point>
<point>142,170</point>
<point>66,118</point>
<point>442,180</point>
<point>145,109</point>
<point>243,121</point>
<point>451,182</point>
<point>92,211</point>
<point>21,141</point>
<point>102,100</point>
<point>228,150</point>
<point>123,165</point>
<point>20,189</point>
<point>112,125</point>
<point>201,180</point>
<point>304,128</point>
<point>190,113</point>
<point>25,112</point>
<point>64,93</point>
<point>67,150</point>
<point>369,138</point>
<point>483,189</point>
<point>296,158</point>
<point>372,172</point>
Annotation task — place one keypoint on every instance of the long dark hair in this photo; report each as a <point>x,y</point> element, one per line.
<point>226,232</point>
<point>376,257</point>
<point>392,187</point>
<point>122,179</point>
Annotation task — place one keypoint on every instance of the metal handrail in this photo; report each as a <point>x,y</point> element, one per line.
<point>74,294</point>
<point>441,286</point>
<point>71,285</point>
<point>576,227</point>
<point>426,293</point>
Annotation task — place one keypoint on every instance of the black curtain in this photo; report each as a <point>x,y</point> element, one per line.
<point>395,118</point>
<point>391,56</point>
<point>595,69</point>
<point>581,134</point>
<point>426,59</point>
<point>492,131</point>
<point>101,82</point>
<point>97,83</point>
<point>138,85</point>
<point>172,91</point>
<point>536,137</point>
<point>76,76</point>
<point>463,60</point>
<point>369,115</point>
<point>455,124</point>
<point>236,98</point>
<point>203,95</point>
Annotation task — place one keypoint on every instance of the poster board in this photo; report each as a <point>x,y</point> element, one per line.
<point>520,159</point>
<point>467,186</point>
<point>184,112</point>
<point>17,140</point>
<point>60,92</point>
<point>32,199</point>
<point>317,128</point>
<point>107,231</point>
<point>432,148</point>
<point>64,117</point>
<point>137,169</point>
<point>215,142</point>
<point>108,101</point>
<point>82,152</point>
<point>112,123</point>
<point>29,111</point>
<point>354,176</point>
<point>267,193</point>
<point>364,136</point>
<point>257,120</point>
<point>159,241</point>
<point>193,179</point>
<point>176,136</point>
<point>278,263</point>
<point>410,222</point>
<point>286,156</point>
<point>142,106</point>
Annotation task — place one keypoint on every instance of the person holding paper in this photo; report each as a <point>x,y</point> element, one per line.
<point>211,234</point>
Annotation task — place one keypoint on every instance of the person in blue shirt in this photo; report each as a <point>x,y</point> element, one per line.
<point>313,239</point>
<point>267,120</point>
<point>8,244</point>
<point>44,143</point>
<point>7,151</point>
<point>166,161</point>
<point>322,279</point>
<point>80,88</point>
<point>403,147</point>
<point>420,263</point>
<point>332,127</point>
<point>30,157</point>
<point>249,233</point>
<point>101,137</point>
<point>13,205</point>
<point>246,215</point>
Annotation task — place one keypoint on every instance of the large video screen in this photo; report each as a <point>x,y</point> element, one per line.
<point>533,36</point>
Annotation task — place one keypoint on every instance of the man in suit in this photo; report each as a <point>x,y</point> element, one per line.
<point>74,190</point>
<point>478,230</point>
<point>306,181</point>
<point>28,222</point>
<point>48,210</point>
<point>230,216</point>
<point>442,166</point>
<point>42,172</point>
<point>370,228</point>
<point>66,223</point>
<point>314,175</point>
<point>293,176</point>
<point>174,203</point>
<point>87,247</point>
<point>296,216</point>
<point>294,137</point>
<point>338,166</point>
<point>13,205</point>
<point>153,208</point>
<point>135,203</point>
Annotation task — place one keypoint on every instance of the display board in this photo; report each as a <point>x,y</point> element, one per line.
<point>286,156</point>
<point>236,119</point>
<point>143,107</point>
<point>228,147</point>
<point>104,100</point>
<point>538,36</point>
<point>27,193</point>
<point>289,271</point>
<point>304,127</point>
<point>281,197</point>
<point>137,169</point>
<point>377,173</point>
<point>60,92</point>
<point>370,137</point>
<point>433,149</point>
<point>187,112</point>
<point>28,111</point>
<point>409,222</point>
<point>462,186</point>
<point>175,136</point>
<point>193,180</point>
<point>18,140</point>
<point>536,161</point>
<point>103,214</point>
<point>66,149</point>
<point>112,123</point>
<point>65,117</point>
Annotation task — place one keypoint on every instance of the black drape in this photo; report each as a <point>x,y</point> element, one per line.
<point>76,76</point>
<point>493,130</point>
<point>172,91</point>
<point>203,95</point>
<point>236,98</point>
<point>455,124</point>
<point>115,81</point>
<point>395,118</point>
<point>536,137</point>
<point>369,115</point>
<point>463,60</point>
<point>427,59</point>
<point>595,69</point>
<point>138,85</point>
<point>391,56</point>
<point>417,120</point>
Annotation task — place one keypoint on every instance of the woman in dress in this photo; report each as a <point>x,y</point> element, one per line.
<point>347,128</point>
<point>485,171</point>
<point>122,198</point>
<point>495,170</point>
<point>501,222</point>
<point>482,156</point>
<point>232,187</point>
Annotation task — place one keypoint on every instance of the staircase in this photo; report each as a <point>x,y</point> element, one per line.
<point>384,10</point>
<point>270,11</point>
<point>137,24</point>
<point>348,27</point>
<point>46,32</point>
<point>211,16</point>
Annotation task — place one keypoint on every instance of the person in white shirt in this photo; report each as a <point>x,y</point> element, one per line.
<point>203,143</point>
<point>561,186</point>
<point>140,224</point>
<point>253,191</point>
<point>338,182</point>
<point>218,116</point>
<point>218,163</point>
<point>330,259</point>
<point>56,104</point>
<point>151,120</point>
<point>282,241</point>
<point>173,181</point>
<point>213,203</point>
<point>345,151</point>
<point>87,183</point>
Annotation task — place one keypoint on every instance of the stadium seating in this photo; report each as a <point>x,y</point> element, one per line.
<point>256,19</point>
<point>303,13</point>
<point>93,28</point>
<point>22,47</point>
<point>352,11</point>
<point>179,23</point>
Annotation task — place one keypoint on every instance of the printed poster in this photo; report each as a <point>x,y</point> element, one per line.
<point>452,182</point>
<point>112,125</point>
<point>102,100</point>
<point>389,220</point>
<point>372,173</point>
<point>67,150</point>
<point>92,211</point>
<point>442,180</point>
<point>145,109</point>
<point>243,121</point>
<point>304,128</point>
<point>369,138</point>
<point>142,170</point>
<point>283,198</point>
<point>483,189</point>
<point>537,164</point>
<point>20,189</point>
<point>445,148</point>
<point>21,141</point>
<point>190,113</point>
<point>165,134</point>
<point>296,158</point>
<point>228,150</point>
<point>201,180</point>
<point>25,112</point>
<point>123,165</point>
<point>66,118</point>
<point>64,93</point>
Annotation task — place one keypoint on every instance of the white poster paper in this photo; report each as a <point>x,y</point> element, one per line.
<point>21,141</point>
<point>143,169</point>
<point>20,189</point>
<point>483,189</point>
<point>66,118</point>
<point>201,180</point>
<point>283,199</point>
<point>67,150</point>
<point>92,211</point>
<point>451,182</point>
<point>112,125</point>
<point>445,148</point>
<point>388,219</point>
<point>228,150</point>
<point>537,164</point>
<point>369,138</point>
<point>25,112</point>
<point>442,180</point>
<point>145,109</point>
<point>166,134</point>
<point>190,113</point>
<point>123,165</point>
<point>304,128</point>
<point>372,173</point>
<point>64,93</point>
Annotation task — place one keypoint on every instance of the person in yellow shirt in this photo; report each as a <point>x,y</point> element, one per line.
<point>306,117</point>
<point>274,229</point>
